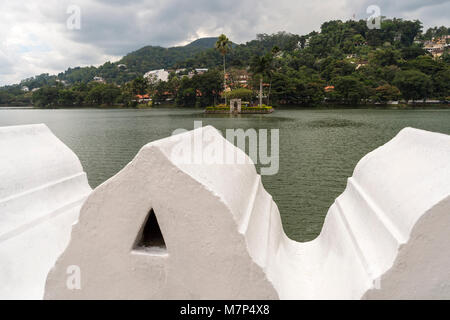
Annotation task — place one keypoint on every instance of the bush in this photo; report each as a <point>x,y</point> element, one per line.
<point>218,108</point>
<point>413,84</point>
<point>257,108</point>
<point>241,93</point>
<point>387,92</point>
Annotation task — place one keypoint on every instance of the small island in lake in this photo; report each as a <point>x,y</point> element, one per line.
<point>238,107</point>
<point>239,103</point>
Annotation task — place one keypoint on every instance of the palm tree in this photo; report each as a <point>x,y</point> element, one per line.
<point>261,66</point>
<point>223,45</point>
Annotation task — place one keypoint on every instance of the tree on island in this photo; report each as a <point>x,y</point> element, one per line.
<point>240,93</point>
<point>223,45</point>
<point>260,67</point>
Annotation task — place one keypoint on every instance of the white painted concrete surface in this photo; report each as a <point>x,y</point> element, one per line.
<point>42,187</point>
<point>386,236</point>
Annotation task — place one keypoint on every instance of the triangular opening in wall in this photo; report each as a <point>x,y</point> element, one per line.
<point>150,238</point>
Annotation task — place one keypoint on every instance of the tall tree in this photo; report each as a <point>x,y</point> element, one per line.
<point>413,84</point>
<point>223,45</point>
<point>139,85</point>
<point>260,66</point>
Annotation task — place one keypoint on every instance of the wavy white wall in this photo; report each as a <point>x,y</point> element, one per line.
<point>42,187</point>
<point>386,236</point>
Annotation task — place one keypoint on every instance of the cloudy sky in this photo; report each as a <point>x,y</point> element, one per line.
<point>35,37</point>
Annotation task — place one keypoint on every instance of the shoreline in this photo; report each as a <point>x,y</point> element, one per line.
<point>416,106</point>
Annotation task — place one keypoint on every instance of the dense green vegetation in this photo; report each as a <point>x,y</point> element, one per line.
<point>240,93</point>
<point>358,65</point>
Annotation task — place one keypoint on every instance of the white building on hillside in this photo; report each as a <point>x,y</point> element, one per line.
<point>201,70</point>
<point>161,74</point>
<point>99,79</point>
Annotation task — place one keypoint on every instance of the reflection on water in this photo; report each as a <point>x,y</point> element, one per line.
<point>333,122</point>
<point>318,148</point>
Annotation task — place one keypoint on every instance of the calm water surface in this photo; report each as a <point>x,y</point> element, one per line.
<point>318,148</point>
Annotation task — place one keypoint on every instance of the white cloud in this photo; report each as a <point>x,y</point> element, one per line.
<point>34,37</point>
<point>32,44</point>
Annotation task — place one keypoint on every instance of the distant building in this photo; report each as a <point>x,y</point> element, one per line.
<point>158,75</point>
<point>197,71</point>
<point>436,49</point>
<point>63,82</point>
<point>441,40</point>
<point>201,70</point>
<point>307,42</point>
<point>438,52</point>
<point>329,88</point>
<point>25,89</point>
<point>437,46</point>
<point>99,80</point>
<point>143,98</point>
<point>362,63</point>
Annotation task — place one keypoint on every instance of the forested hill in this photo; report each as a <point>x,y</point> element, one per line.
<point>151,58</point>
<point>400,58</point>
<point>139,62</point>
<point>129,67</point>
<point>199,53</point>
<point>203,43</point>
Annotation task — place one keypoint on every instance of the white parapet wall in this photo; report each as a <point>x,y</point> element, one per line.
<point>169,227</point>
<point>42,187</point>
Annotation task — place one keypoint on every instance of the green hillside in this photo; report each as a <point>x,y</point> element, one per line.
<point>203,43</point>
<point>355,63</point>
<point>199,54</point>
<point>139,62</point>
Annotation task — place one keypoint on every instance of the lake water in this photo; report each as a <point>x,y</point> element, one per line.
<point>318,148</point>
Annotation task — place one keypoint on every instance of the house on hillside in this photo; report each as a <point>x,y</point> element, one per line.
<point>329,88</point>
<point>437,46</point>
<point>201,70</point>
<point>436,49</point>
<point>63,82</point>
<point>307,42</point>
<point>198,71</point>
<point>99,80</point>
